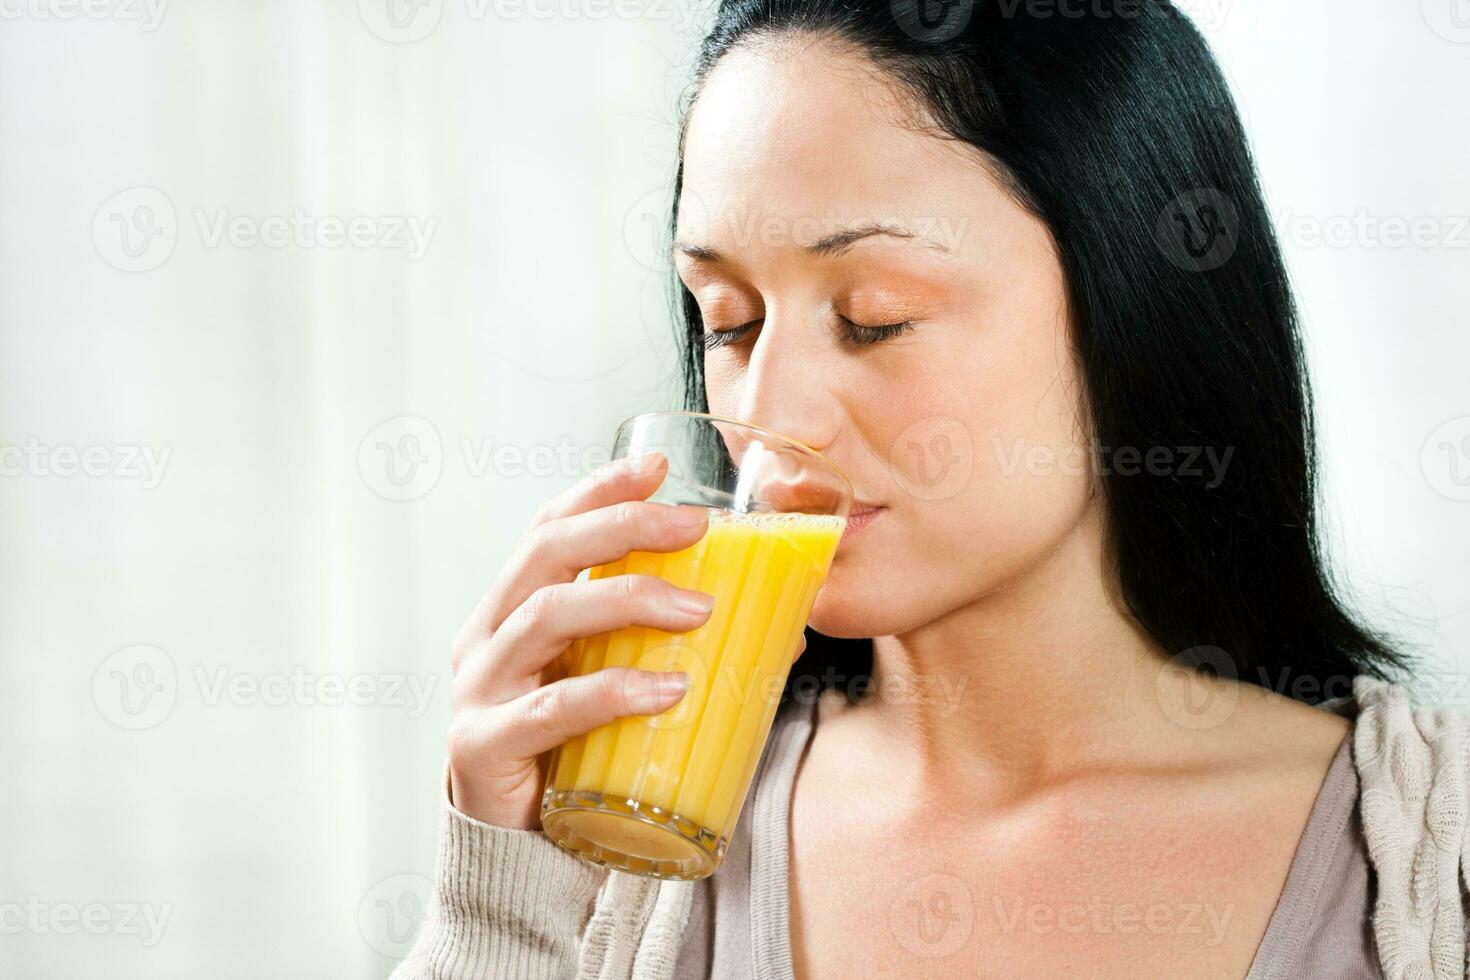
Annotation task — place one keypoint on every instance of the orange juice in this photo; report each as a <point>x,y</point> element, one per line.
<point>659,795</point>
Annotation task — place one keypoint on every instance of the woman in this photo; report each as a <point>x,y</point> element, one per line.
<point>1009,267</point>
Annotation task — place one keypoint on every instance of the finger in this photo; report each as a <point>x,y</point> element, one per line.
<point>557,551</point>
<point>555,616</point>
<point>542,719</point>
<point>631,478</point>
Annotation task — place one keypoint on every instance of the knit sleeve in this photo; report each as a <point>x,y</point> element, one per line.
<point>1412,770</point>
<point>506,903</point>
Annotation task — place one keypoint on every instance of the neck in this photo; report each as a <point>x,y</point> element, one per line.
<point>1025,684</point>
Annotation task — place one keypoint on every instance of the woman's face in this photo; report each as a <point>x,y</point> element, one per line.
<point>965,426</point>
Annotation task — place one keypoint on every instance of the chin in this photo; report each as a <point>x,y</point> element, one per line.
<point>879,598</point>
<point>848,612</point>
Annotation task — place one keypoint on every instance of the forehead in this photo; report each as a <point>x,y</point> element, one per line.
<point>811,134</point>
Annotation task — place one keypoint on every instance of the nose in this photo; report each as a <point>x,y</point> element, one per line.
<point>787,384</point>
<point>789,387</point>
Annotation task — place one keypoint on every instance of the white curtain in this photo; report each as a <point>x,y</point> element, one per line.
<point>305,306</point>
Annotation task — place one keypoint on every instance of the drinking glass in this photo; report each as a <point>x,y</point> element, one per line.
<point>659,795</point>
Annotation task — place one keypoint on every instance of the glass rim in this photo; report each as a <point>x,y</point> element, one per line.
<point>797,443</point>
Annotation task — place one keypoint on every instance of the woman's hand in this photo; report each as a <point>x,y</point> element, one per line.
<point>511,704</point>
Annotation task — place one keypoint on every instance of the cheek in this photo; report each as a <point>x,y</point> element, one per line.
<point>996,422</point>
<point>985,475</point>
<point>1015,468</point>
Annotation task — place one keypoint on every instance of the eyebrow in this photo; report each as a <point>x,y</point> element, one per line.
<point>832,245</point>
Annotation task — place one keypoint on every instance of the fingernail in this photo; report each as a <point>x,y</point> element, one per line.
<point>694,603</point>
<point>654,693</point>
<point>688,516</point>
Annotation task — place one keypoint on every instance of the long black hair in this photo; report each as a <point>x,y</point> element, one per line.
<point>1112,123</point>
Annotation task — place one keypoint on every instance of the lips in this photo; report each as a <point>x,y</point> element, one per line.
<point>860,517</point>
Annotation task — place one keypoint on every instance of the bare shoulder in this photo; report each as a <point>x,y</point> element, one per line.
<point>1243,748</point>
<point>1275,741</point>
<point>1279,721</point>
<point>1234,724</point>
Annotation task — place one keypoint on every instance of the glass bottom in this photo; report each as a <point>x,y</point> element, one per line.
<point>627,836</point>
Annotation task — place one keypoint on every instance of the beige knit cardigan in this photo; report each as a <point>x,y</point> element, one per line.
<point>511,904</point>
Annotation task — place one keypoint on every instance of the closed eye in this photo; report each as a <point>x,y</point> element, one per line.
<point>723,338</point>
<point>857,334</point>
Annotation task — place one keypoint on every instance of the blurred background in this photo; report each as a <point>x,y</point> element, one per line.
<point>304,307</point>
